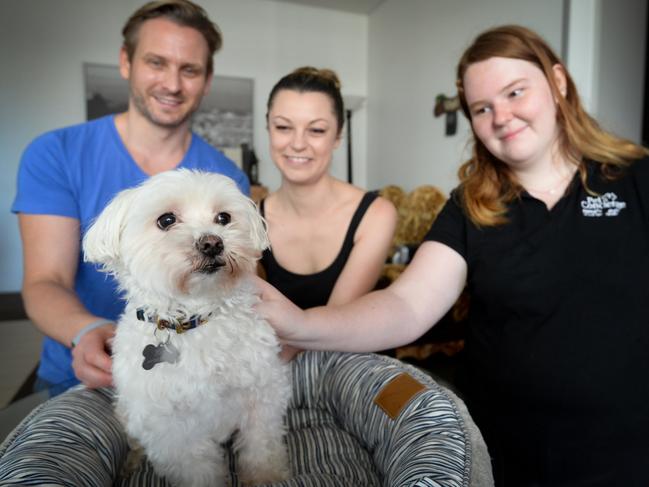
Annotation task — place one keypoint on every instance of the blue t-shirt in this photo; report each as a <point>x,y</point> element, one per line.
<point>75,172</point>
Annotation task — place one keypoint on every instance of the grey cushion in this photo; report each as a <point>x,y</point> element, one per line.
<point>338,434</point>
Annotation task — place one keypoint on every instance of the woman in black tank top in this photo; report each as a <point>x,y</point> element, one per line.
<point>329,239</point>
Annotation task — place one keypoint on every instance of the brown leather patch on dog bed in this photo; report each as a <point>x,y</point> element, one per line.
<point>397,393</point>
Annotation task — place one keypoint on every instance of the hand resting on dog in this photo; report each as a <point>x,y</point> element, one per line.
<point>91,358</point>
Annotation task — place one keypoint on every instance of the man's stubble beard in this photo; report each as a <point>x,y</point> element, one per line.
<point>141,106</point>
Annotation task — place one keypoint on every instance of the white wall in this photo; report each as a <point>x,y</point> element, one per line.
<point>412,58</point>
<point>606,56</point>
<point>582,49</point>
<point>44,44</point>
<point>620,70</point>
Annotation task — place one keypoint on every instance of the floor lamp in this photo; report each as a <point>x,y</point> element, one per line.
<point>352,102</point>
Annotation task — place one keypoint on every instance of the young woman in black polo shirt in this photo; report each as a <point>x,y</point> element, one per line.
<point>549,231</point>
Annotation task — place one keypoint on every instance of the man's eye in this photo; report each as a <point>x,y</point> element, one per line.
<point>166,220</point>
<point>223,218</point>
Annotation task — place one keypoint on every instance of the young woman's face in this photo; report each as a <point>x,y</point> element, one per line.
<point>303,134</point>
<point>513,111</point>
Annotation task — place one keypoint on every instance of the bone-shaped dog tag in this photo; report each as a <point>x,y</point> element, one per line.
<point>155,354</point>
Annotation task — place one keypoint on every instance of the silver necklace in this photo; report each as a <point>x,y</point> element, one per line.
<point>553,190</point>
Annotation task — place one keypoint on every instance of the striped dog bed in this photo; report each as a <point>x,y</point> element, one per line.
<point>354,420</point>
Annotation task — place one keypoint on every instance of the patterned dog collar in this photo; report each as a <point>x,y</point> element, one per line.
<point>172,324</point>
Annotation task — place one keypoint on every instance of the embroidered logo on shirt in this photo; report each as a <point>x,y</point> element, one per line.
<point>604,205</point>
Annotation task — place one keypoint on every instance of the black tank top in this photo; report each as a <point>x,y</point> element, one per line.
<point>309,290</point>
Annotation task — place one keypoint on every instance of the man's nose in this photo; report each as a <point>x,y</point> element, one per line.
<point>171,80</point>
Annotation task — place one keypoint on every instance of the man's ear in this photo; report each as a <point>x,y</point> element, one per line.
<point>208,84</point>
<point>559,73</point>
<point>124,64</point>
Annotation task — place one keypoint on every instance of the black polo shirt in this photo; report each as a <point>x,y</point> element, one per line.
<point>557,351</point>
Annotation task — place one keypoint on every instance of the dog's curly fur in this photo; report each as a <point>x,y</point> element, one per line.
<point>228,376</point>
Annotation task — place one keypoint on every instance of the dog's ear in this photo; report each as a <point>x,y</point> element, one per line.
<point>101,241</point>
<point>257,226</point>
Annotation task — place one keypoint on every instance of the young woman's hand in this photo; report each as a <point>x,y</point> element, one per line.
<point>286,318</point>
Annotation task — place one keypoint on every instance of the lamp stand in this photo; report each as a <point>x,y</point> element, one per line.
<point>349,146</point>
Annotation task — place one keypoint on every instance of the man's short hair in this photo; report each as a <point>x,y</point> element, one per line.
<point>182,12</point>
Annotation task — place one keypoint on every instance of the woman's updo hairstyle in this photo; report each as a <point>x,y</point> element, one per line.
<point>308,79</point>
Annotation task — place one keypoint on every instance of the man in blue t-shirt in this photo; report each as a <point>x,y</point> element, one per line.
<point>68,176</point>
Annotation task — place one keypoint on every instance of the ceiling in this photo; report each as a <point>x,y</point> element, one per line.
<point>353,6</point>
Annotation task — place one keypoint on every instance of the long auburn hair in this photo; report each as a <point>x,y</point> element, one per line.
<point>486,183</point>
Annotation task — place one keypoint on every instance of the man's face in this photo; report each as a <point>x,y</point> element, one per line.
<point>168,73</point>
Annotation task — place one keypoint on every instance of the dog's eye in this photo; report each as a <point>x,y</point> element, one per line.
<point>166,220</point>
<point>223,218</point>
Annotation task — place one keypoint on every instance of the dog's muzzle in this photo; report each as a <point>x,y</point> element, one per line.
<point>211,250</point>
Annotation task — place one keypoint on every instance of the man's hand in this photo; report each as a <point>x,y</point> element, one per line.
<point>91,358</point>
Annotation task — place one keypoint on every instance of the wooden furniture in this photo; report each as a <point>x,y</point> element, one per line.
<point>258,192</point>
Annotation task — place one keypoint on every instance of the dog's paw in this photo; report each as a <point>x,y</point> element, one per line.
<point>268,476</point>
<point>274,469</point>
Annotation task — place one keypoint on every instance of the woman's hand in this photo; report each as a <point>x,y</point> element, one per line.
<point>285,317</point>
<point>288,353</point>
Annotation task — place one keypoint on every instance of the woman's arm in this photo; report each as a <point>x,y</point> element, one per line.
<point>368,255</point>
<point>381,320</point>
<point>371,245</point>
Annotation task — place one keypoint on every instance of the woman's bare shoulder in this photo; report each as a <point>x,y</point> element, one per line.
<point>382,210</point>
<point>379,219</point>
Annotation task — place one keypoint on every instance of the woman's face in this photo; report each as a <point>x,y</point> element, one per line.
<point>303,134</point>
<point>513,111</point>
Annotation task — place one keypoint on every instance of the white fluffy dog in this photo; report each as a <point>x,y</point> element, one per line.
<point>192,362</point>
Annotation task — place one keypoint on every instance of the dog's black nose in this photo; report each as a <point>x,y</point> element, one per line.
<point>210,245</point>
